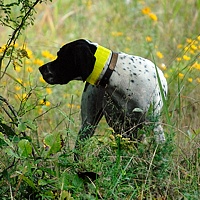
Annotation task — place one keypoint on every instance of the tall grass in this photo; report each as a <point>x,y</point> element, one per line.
<point>37,156</point>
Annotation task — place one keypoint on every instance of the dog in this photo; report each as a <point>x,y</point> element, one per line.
<point>119,86</point>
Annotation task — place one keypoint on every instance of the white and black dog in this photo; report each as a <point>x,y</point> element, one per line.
<point>120,86</point>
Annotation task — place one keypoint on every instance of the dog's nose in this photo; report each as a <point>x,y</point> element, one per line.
<point>47,73</point>
<point>44,69</point>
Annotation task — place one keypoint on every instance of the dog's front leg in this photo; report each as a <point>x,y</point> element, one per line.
<point>91,113</point>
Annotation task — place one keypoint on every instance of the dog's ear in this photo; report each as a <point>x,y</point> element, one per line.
<point>84,60</point>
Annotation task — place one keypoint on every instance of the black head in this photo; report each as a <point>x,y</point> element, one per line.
<point>75,60</point>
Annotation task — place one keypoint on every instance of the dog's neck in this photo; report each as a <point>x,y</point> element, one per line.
<point>103,67</point>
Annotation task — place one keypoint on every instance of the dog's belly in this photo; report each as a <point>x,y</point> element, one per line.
<point>125,118</point>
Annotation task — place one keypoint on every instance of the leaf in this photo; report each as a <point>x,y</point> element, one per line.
<point>25,148</point>
<point>6,140</point>
<point>53,141</point>
<point>31,125</point>
<point>65,195</point>
<point>29,182</point>
<point>10,152</point>
<point>42,182</point>
<point>22,126</point>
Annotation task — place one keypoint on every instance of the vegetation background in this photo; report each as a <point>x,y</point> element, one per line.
<point>39,122</point>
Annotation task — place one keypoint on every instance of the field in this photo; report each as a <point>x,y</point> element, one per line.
<point>39,122</point>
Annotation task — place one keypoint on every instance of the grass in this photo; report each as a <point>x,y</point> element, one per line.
<point>37,155</point>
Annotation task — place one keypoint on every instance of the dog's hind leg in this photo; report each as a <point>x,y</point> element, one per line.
<point>91,113</point>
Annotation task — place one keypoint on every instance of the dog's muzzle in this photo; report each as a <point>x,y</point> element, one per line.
<point>47,73</point>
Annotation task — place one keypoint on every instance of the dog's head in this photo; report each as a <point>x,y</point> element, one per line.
<point>75,61</point>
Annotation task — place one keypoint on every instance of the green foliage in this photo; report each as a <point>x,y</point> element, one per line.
<point>16,16</point>
<point>53,142</point>
<point>39,123</point>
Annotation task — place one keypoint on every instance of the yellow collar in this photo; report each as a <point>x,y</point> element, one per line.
<point>102,55</point>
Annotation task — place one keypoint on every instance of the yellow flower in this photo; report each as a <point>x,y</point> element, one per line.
<point>178,59</point>
<point>179,46</point>
<point>190,80</point>
<point>159,54</point>
<point>44,102</point>
<point>148,39</point>
<point>166,75</point>
<point>38,62</point>
<point>186,48</point>
<point>153,16</point>
<point>29,69</point>
<point>116,34</point>
<point>198,38</point>
<point>78,106</point>
<point>185,57</point>
<point>191,51</point>
<point>48,90</point>
<point>24,97</point>
<point>188,40</point>
<point>30,53</point>
<point>146,10</point>
<point>89,4</point>
<point>181,75</point>
<point>47,103</point>
<point>2,49</point>
<point>193,47</point>
<point>47,54</point>
<point>128,38</point>
<point>18,68</point>
<point>16,45</point>
<point>127,49</point>
<point>27,62</point>
<point>17,88</point>
<point>42,80</point>
<point>66,95</point>
<point>69,105</point>
<point>196,65</point>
